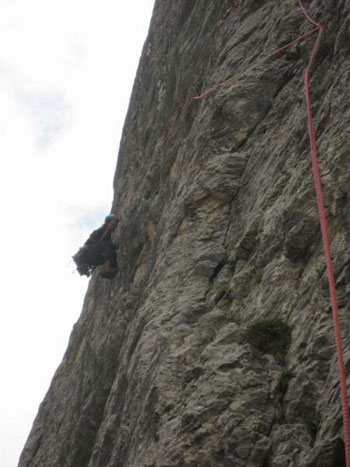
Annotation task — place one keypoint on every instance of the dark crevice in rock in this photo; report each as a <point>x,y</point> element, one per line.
<point>216,271</point>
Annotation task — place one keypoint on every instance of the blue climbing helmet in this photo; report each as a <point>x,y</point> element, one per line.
<point>111,217</point>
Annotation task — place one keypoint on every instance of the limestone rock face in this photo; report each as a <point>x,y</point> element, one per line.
<point>219,231</point>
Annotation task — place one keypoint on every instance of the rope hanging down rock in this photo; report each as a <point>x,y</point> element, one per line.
<point>325,240</point>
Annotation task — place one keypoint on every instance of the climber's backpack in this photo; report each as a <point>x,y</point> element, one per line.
<point>81,260</point>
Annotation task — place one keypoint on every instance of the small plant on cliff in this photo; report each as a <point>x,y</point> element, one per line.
<point>272,336</point>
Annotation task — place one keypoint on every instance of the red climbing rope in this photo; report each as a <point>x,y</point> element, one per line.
<point>325,239</point>
<point>303,36</point>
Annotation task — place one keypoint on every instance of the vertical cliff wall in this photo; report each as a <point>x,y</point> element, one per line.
<point>214,344</point>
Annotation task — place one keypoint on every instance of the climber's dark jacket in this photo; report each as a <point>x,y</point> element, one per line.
<point>101,249</point>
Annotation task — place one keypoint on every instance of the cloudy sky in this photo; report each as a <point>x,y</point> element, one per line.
<point>66,72</point>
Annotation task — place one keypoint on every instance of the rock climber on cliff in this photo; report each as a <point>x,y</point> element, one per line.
<point>99,249</point>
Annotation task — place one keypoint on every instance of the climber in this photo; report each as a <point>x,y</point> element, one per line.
<point>99,249</point>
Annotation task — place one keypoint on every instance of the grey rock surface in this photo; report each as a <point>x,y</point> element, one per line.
<point>219,229</point>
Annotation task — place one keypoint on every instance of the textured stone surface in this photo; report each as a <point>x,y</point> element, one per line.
<point>218,229</point>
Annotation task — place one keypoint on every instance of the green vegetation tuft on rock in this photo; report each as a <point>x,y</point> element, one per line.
<point>272,336</point>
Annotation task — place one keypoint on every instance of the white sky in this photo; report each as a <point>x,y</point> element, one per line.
<point>66,73</point>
